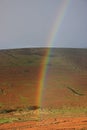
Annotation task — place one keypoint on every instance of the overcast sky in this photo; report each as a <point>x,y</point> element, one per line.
<point>27,23</point>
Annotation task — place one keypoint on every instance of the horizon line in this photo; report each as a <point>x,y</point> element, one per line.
<point>14,48</point>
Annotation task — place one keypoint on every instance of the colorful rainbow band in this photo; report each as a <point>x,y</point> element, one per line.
<point>56,25</point>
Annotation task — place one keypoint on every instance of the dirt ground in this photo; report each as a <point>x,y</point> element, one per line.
<point>58,123</point>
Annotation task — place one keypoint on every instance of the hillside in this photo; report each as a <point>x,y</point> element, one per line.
<point>65,83</point>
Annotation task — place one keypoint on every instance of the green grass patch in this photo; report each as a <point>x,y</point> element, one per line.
<point>7,120</point>
<point>4,120</point>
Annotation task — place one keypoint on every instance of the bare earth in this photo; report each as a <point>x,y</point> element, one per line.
<point>64,123</point>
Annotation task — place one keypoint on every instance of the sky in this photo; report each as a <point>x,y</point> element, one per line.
<point>31,23</point>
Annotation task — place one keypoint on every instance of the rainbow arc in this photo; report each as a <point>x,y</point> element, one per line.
<point>51,38</point>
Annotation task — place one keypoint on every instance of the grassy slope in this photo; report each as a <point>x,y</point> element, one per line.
<point>66,77</point>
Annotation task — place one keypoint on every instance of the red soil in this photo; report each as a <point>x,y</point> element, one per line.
<point>57,123</point>
<point>16,83</point>
<point>20,85</point>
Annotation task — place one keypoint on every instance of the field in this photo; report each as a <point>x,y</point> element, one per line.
<point>64,96</point>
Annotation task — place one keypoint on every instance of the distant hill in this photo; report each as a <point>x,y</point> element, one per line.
<point>76,57</point>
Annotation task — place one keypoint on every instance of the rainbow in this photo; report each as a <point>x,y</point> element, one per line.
<point>56,25</point>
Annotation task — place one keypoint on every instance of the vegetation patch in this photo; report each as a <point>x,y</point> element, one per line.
<point>33,107</point>
<point>64,111</point>
<point>4,111</point>
<point>7,120</point>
